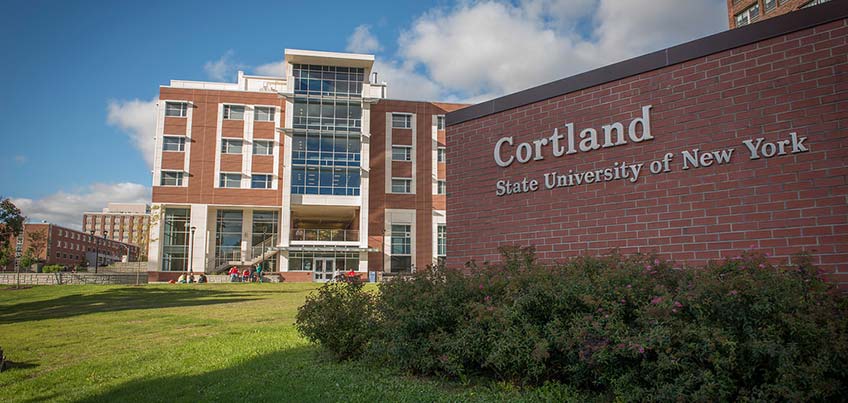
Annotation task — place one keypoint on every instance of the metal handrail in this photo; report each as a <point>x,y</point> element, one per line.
<point>324,234</point>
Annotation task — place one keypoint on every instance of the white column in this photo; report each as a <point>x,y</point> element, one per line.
<point>154,252</point>
<point>199,219</point>
<point>246,234</point>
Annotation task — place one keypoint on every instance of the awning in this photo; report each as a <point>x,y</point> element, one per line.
<point>325,248</point>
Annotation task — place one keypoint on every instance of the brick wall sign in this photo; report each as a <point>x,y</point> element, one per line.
<point>699,152</point>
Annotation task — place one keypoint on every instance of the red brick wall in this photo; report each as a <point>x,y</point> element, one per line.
<point>779,205</point>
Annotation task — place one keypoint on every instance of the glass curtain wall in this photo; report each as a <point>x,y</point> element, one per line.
<point>327,122</point>
<point>228,225</point>
<point>175,239</point>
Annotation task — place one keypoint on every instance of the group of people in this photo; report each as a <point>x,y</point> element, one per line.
<point>187,278</point>
<point>253,274</point>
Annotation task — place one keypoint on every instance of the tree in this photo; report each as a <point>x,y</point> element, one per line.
<point>11,225</point>
<point>11,221</point>
<point>37,243</point>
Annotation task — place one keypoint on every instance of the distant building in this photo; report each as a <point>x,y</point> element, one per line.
<point>122,222</point>
<point>744,12</point>
<point>68,247</point>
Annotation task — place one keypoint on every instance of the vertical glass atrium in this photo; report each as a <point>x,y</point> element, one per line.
<point>327,127</point>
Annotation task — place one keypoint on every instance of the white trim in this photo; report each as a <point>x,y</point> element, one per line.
<point>434,134</point>
<point>247,157</point>
<point>218,138</point>
<point>276,148</point>
<point>387,157</point>
<point>187,156</point>
<point>414,153</point>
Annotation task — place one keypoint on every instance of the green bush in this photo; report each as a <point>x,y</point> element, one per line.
<point>633,328</point>
<point>339,317</point>
<point>52,268</point>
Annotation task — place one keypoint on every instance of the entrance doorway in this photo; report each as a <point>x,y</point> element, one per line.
<point>324,269</point>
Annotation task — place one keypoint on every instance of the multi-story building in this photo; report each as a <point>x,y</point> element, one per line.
<point>53,244</point>
<point>312,173</point>
<point>744,12</point>
<point>122,222</point>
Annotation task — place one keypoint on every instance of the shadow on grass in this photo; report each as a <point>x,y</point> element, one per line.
<point>117,299</point>
<point>294,375</point>
<point>12,365</point>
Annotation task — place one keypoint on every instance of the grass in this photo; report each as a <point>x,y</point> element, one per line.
<point>211,342</point>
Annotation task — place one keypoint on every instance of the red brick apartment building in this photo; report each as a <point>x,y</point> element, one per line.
<point>68,247</point>
<point>123,222</point>
<point>697,152</point>
<point>310,174</point>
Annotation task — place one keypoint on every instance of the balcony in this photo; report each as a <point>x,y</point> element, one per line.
<point>324,235</point>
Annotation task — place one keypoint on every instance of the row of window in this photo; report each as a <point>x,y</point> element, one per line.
<point>404,121</point>
<point>404,153</point>
<point>231,112</point>
<point>404,185</point>
<point>752,13</point>
<point>226,180</point>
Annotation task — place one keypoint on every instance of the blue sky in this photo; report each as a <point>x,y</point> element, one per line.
<point>65,150</point>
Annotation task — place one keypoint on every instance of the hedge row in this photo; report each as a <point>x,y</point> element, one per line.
<point>633,328</point>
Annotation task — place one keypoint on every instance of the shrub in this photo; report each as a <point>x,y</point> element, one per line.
<point>635,327</point>
<point>52,268</point>
<point>339,317</point>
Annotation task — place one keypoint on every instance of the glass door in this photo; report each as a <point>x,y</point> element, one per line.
<point>324,269</point>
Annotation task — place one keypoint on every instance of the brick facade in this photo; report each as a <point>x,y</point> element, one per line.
<point>792,83</point>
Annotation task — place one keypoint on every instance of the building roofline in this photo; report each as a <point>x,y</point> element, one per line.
<point>720,42</point>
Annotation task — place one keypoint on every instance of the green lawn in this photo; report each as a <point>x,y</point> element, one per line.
<point>221,342</point>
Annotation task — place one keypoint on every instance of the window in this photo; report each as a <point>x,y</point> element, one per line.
<point>440,122</point>
<point>230,181</point>
<point>401,260</point>
<point>264,113</point>
<point>440,155</point>
<point>328,80</point>
<point>263,147</point>
<point>401,185</point>
<point>172,143</point>
<point>340,115</point>
<point>325,180</point>
<point>229,146</point>
<point>401,153</point>
<point>228,236</point>
<point>748,16</point>
<point>441,240</point>
<point>171,178</point>
<point>814,3</point>
<point>441,187</point>
<point>769,4</point>
<point>176,109</point>
<point>401,121</point>
<point>175,239</point>
<point>260,181</point>
<point>234,112</point>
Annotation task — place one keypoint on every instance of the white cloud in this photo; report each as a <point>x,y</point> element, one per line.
<point>273,69</point>
<point>223,69</point>
<point>66,209</point>
<point>495,48</point>
<point>362,41</point>
<point>405,83</point>
<point>137,119</point>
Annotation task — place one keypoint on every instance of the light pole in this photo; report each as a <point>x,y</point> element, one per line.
<point>191,249</point>
<point>94,240</point>
<point>104,244</point>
